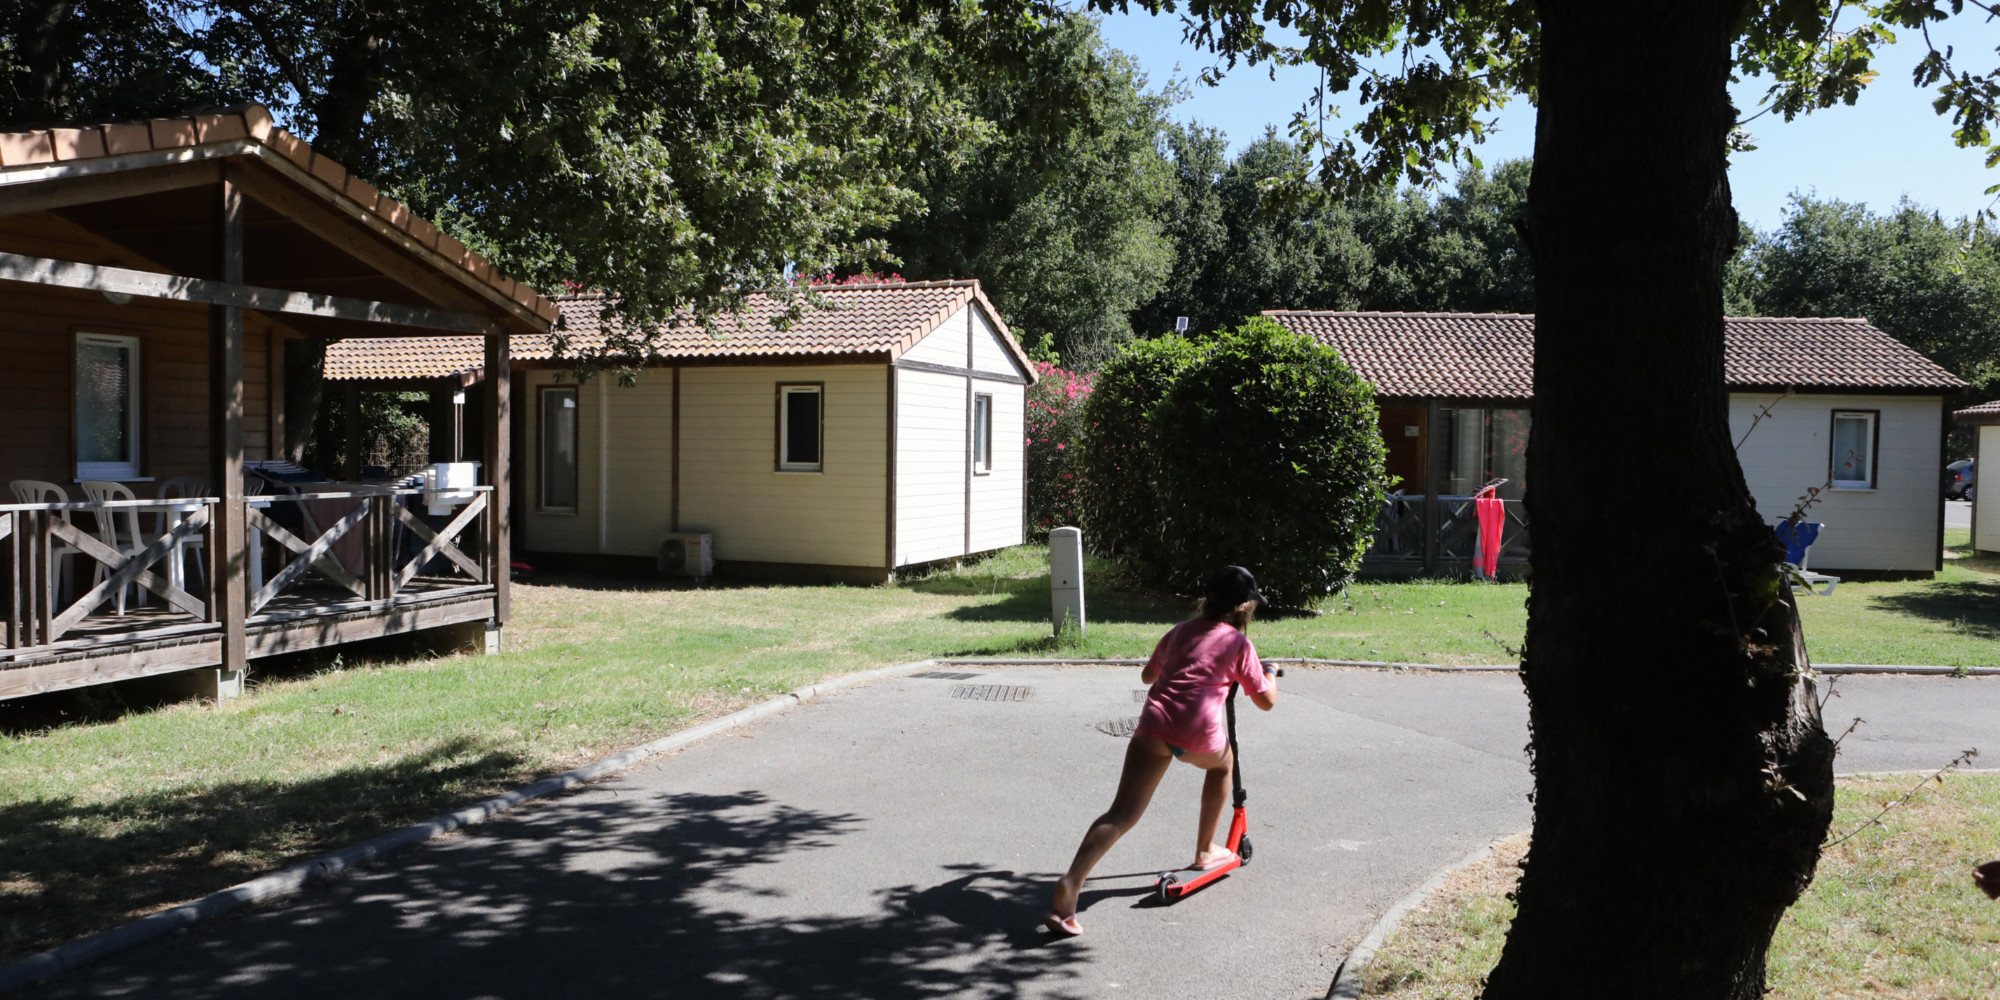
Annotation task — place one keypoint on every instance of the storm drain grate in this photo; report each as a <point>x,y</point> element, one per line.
<point>945,675</point>
<point>1118,727</point>
<point>1139,694</point>
<point>992,692</point>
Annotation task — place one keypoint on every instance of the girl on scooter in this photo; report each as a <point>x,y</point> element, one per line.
<point>1190,672</point>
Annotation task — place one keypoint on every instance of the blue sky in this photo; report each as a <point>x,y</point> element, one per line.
<point>1889,144</point>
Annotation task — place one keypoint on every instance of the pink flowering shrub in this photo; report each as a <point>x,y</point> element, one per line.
<point>1055,414</point>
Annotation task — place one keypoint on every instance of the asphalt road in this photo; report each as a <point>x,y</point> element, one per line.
<point>1958,513</point>
<point>894,841</point>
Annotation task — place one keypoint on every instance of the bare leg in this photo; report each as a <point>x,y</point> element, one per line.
<point>1146,759</point>
<point>1214,793</point>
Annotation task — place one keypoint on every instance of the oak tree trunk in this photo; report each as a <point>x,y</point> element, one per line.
<point>1683,782</point>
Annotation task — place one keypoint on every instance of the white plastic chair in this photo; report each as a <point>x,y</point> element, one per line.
<point>181,488</point>
<point>42,491</point>
<point>124,537</point>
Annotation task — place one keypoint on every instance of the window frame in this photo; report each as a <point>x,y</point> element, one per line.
<point>982,442</point>
<point>132,469</point>
<point>781,436</point>
<point>542,394</point>
<point>1874,436</point>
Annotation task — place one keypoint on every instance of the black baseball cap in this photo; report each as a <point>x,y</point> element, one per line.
<point>1233,585</point>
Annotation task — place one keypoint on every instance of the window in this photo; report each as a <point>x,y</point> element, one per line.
<point>1853,460</point>
<point>107,407</point>
<point>799,428</point>
<point>558,457</point>
<point>982,435</point>
<point>1482,445</point>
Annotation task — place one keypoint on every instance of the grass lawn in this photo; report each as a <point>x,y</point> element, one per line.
<point>1892,912</point>
<point>110,810</point>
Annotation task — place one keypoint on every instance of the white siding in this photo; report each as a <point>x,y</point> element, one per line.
<point>730,485</point>
<point>989,354</point>
<point>945,345</point>
<point>997,498</point>
<point>930,466</point>
<point>1985,511</point>
<point>1891,527</point>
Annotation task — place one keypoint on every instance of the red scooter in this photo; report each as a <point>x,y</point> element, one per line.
<point>1177,885</point>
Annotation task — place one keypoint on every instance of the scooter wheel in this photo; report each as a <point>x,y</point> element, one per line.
<point>1243,849</point>
<point>1160,892</point>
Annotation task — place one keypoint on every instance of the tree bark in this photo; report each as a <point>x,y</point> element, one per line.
<point>1683,782</point>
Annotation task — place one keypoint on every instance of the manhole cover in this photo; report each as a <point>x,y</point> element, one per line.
<point>1118,727</point>
<point>992,692</point>
<point>945,675</point>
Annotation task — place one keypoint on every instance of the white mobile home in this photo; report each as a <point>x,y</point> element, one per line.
<point>882,431</point>
<point>1843,406</point>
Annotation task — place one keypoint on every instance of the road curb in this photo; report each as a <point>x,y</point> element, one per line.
<point>1833,669</point>
<point>1347,978</point>
<point>83,951</point>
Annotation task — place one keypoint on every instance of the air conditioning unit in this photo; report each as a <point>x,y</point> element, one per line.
<point>688,555</point>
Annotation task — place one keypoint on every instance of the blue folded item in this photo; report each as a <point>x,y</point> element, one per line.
<point>1796,537</point>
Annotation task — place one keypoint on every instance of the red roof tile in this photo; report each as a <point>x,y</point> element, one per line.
<point>885,319</point>
<point>252,124</point>
<point>1984,413</point>
<point>1491,355</point>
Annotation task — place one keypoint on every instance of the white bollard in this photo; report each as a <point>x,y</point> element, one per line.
<point>1066,579</point>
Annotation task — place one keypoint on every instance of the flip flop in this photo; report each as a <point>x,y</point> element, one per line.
<point>1217,863</point>
<point>1062,926</point>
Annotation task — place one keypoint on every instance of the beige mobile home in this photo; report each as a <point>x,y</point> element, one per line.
<point>882,431</point>
<point>1831,403</point>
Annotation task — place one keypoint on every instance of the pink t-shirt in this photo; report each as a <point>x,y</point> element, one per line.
<point>1196,661</point>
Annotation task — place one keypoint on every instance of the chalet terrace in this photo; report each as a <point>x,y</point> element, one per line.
<point>155,275</point>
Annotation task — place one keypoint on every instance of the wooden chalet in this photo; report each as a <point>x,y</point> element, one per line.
<point>154,276</point>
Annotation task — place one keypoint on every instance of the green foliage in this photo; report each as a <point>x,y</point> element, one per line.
<point>1260,448</point>
<point>1061,225</point>
<point>1932,284</point>
<point>1119,506</point>
<point>1270,454</point>
<point>395,433</point>
<point>1459,253</point>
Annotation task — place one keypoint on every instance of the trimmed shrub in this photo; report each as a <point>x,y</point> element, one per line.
<point>1270,455</point>
<point>1117,470</point>
<point>1055,422</point>
<point>1261,448</point>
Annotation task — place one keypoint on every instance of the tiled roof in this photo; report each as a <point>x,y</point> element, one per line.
<point>1984,413</point>
<point>1491,355</point>
<point>885,319</point>
<point>251,126</point>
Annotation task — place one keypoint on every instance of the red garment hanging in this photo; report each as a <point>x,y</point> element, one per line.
<point>1492,514</point>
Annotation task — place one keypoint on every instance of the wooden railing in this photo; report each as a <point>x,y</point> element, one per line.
<point>45,547</point>
<point>365,545</point>
<point>1401,532</point>
<point>305,554</point>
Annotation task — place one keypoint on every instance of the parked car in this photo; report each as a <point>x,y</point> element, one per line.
<point>1960,487</point>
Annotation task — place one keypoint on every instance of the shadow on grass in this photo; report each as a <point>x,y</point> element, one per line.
<point>71,868</point>
<point>1971,608</point>
<point>667,896</point>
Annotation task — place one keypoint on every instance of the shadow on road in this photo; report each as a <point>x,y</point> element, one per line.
<point>660,898</point>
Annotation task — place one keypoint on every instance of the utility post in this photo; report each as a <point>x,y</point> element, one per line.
<point>1066,579</point>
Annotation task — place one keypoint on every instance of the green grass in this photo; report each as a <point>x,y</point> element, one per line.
<point>1952,621</point>
<point>110,810</point>
<point>1892,912</point>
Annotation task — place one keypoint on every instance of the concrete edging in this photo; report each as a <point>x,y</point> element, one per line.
<point>1347,978</point>
<point>83,951</point>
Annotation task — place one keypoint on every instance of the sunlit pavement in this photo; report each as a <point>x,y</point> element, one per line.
<point>895,841</point>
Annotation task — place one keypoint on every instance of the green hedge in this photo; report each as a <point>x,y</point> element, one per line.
<point>1261,447</point>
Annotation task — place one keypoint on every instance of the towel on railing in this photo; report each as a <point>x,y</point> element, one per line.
<point>1492,514</point>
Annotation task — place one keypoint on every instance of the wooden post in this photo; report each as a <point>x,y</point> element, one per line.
<point>499,391</point>
<point>225,429</point>
<point>444,424</point>
<point>351,418</point>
